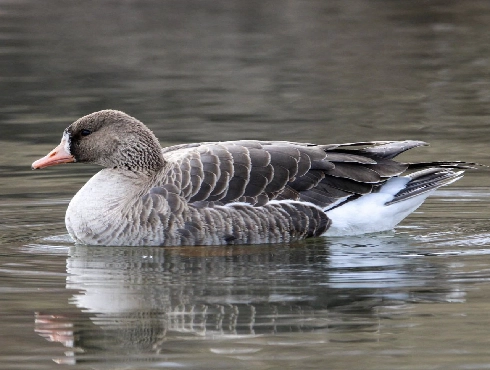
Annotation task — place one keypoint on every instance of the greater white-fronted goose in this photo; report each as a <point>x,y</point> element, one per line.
<point>235,192</point>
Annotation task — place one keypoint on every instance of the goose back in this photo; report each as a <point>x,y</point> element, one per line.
<point>257,172</point>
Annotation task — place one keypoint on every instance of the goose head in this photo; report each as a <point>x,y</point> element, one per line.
<point>108,138</point>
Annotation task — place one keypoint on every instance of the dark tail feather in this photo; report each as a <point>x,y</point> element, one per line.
<point>391,149</point>
<point>444,164</point>
<point>380,149</point>
<point>427,180</point>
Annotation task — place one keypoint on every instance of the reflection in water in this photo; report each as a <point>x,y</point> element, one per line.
<point>142,301</point>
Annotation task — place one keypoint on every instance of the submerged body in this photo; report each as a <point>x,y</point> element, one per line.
<point>236,192</point>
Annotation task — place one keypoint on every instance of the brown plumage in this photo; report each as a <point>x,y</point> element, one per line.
<point>243,192</point>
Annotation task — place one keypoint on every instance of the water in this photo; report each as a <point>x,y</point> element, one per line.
<point>311,71</point>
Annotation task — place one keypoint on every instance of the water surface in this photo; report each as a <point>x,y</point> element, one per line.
<point>315,71</point>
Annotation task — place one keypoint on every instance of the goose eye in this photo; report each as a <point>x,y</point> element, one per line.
<point>85,132</point>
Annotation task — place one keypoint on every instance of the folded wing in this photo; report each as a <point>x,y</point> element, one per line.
<point>257,172</point>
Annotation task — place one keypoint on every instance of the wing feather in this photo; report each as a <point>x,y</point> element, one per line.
<point>259,171</point>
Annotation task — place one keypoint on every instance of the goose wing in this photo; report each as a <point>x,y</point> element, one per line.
<point>256,172</point>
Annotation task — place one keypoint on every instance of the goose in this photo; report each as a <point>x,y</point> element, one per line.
<point>235,192</point>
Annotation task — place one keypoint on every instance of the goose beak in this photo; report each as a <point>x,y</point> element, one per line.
<point>58,155</point>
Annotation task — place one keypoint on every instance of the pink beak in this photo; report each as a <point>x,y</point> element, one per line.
<point>57,156</point>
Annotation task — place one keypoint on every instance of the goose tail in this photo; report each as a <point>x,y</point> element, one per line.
<point>388,205</point>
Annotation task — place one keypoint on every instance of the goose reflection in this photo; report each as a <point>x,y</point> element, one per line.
<point>141,300</point>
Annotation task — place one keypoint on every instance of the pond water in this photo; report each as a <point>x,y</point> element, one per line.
<point>315,71</point>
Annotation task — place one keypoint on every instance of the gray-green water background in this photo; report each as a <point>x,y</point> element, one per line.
<point>316,71</point>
